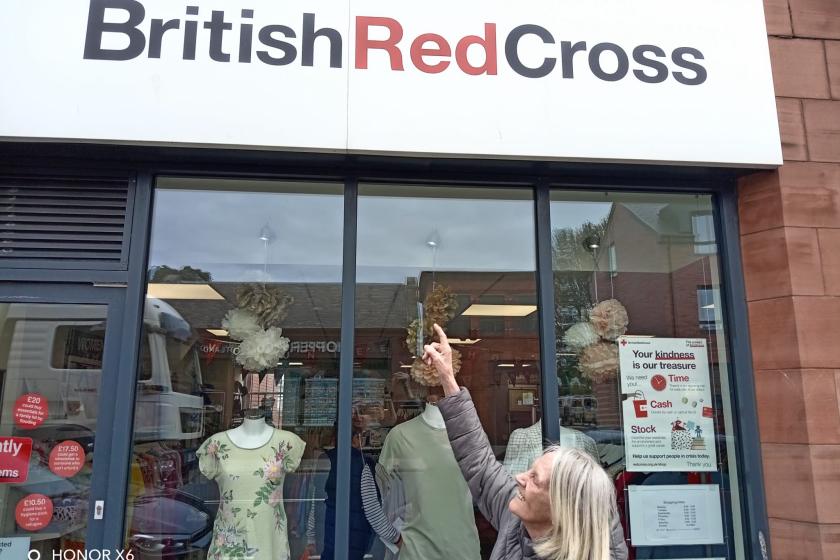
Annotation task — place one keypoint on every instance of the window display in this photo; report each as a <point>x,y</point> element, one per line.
<point>443,262</point>
<point>237,384</point>
<point>236,413</point>
<point>643,373</point>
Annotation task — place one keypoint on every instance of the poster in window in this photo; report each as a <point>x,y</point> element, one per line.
<point>667,408</point>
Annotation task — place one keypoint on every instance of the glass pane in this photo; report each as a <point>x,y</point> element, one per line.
<point>642,364</point>
<point>238,372</point>
<point>465,258</point>
<point>50,374</point>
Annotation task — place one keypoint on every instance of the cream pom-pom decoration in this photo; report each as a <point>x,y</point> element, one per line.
<point>579,336</point>
<point>240,324</point>
<point>599,362</point>
<point>609,319</point>
<point>427,375</point>
<point>263,349</point>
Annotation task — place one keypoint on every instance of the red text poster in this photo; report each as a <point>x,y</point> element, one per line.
<point>668,413</point>
<point>14,459</point>
<point>30,411</point>
<point>34,512</point>
<point>67,458</point>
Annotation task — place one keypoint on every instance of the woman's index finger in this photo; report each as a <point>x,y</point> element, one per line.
<point>441,335</point>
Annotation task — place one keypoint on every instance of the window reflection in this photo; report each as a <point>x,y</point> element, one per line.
<point>51,369</point>
<point>642,269</point>
<point>643,266</point>
<point>238,373</point>
<point>463,258</point>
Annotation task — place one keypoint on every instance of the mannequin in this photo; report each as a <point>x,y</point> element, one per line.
<point>431,413</point>
<point>254,432</point>
<point>249,464</point>
<point>526,445</point>
<point>424,493</point>
<point>366,513</point>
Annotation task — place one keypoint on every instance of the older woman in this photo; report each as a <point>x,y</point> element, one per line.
<point>562,508</point>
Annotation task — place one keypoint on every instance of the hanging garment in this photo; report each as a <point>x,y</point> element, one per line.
<point>361,533</point>
<point>526,445</point>
<point>251,520</point>
<point>438,519</point>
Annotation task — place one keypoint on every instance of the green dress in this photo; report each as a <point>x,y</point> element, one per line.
<point>251,521</point>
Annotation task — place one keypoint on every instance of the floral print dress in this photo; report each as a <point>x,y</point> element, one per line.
<point>251,521</point>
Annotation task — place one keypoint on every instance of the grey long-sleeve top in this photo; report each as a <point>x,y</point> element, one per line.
<point>490,484</point>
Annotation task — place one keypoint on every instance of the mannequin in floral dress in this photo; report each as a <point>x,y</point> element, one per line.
<point>249,463</point>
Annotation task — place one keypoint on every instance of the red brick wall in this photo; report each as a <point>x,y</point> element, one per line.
<point>790,238</point>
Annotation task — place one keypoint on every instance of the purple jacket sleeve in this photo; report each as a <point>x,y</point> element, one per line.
<point>491,485</point>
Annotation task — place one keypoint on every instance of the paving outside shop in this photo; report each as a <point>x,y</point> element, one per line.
<point>220,218</point>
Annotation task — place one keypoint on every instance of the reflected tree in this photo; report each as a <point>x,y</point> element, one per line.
<point>572,263</point>
<point>167,275</point>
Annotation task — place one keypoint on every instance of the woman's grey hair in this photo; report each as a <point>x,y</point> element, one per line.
<point>582,501</point>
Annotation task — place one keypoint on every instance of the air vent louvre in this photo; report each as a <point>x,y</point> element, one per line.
<point>63,223</point>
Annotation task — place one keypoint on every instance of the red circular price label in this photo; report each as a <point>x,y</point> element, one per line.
<point>30,411</point>
<point>67,458</point>
<point>34,512</point>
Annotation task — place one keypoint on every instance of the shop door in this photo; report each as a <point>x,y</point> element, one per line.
<point>58,367</point>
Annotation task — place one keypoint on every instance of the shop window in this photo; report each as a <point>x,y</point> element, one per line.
<point>643,383</point>
<point>478,281</point>
<point>238,375</point>
<point>51,373</point>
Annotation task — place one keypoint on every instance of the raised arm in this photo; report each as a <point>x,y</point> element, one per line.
<point>491,485</point>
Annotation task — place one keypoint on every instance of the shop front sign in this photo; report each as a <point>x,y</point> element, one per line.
<point>655,81</point>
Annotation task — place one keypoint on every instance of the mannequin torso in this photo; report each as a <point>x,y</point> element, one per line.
<point>249,464</point>
<point>251,434</point>
<point>425,492</point>
<point>433,417</point>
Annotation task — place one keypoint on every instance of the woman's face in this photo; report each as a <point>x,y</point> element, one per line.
<point>531,503</point>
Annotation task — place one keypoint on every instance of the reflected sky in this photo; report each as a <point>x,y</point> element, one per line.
<point>219,232</point>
